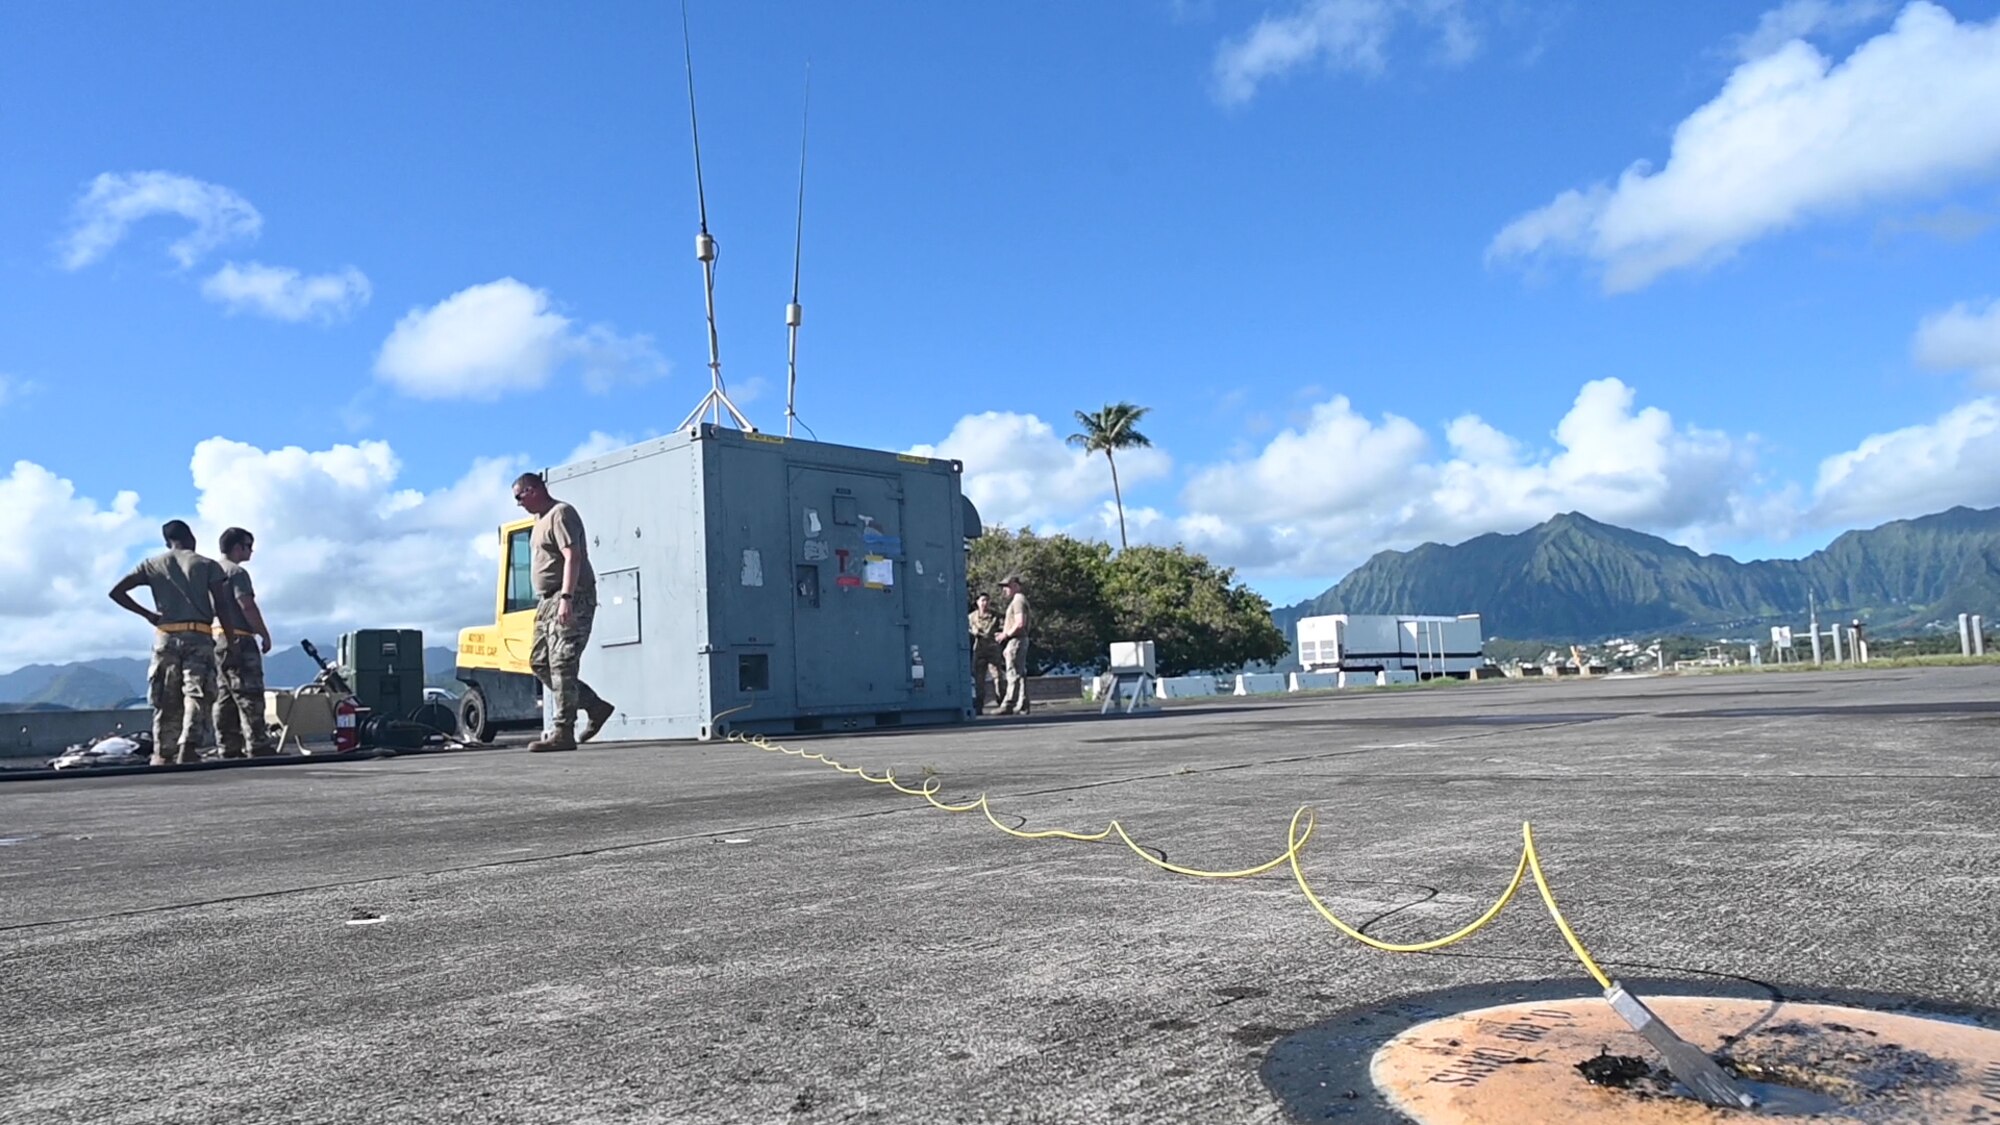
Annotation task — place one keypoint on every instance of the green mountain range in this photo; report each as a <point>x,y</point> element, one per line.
<point>115,681</point>
<point>1573,578</point>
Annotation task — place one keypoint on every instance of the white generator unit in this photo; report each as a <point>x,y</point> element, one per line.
<point>1424,645</point>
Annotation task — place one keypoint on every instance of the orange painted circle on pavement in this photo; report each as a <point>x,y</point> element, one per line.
<point>1519,1063</point>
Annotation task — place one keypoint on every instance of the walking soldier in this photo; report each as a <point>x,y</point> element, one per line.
<point>567,591</point>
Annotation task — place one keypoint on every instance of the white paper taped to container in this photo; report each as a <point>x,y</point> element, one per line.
<point>878,572</point>
<point>753,567</point>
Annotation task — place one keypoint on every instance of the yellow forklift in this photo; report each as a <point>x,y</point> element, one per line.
<point>500,692</point>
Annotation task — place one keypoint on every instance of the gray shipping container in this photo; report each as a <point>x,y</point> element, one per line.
<point>762,584</point>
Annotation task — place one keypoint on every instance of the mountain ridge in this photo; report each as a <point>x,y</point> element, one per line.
<point>1572,577</point>
<point>110,681</point>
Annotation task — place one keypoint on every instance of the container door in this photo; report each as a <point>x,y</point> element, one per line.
<point>850,626</point>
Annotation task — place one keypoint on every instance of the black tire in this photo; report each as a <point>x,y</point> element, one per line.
<point>474,725</point>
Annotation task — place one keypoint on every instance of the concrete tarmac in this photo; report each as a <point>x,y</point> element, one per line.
<point>712,933</point>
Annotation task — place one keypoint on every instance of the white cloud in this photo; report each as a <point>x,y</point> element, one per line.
<point>1630,467</point>
<point>12,387</point>
<point>1802,19</point>
<point>1790,138</point>
<point>114,202</point>
<point>1962,338</point>
<point>1020,473</point>
<point>1320,498</point>
<point>1338,462</point>
<point>53,577</point>
<point>340,544</point>
<point>285,294</point>
<point>1914,470</point>
<point>501,337</point>
<point>1341,34</point>
<point>1323,495</point>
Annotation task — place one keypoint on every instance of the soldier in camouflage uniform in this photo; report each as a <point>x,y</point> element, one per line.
<point>982,625</point>
<point>241,640</point>
<point>566,587</point>
<point>180,684</point>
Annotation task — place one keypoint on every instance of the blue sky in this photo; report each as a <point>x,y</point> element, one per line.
<point>1385,271</point>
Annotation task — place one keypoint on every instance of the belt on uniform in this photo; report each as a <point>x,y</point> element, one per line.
<point>221,632</point>
<point>183,627</point>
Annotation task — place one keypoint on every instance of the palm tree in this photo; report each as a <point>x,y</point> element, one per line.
<point>1110,429</point>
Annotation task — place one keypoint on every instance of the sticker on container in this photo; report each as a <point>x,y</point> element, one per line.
<point>887,546</point>
<point>920,566</point>
<point>817,551</point>
<point>753,567</point>
<point>878,574</point>
<point>812,521</point>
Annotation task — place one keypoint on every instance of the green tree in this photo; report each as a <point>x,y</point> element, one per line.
<point>1065,586</point>
<point>1113,428</point>
<point>1195,613</point>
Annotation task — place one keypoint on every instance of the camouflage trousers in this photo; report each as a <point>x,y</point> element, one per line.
<point>1016,655</point>
<point>557,654</point>
<point>239,708</point>
<point>986,666</point>
<point>181,685</point>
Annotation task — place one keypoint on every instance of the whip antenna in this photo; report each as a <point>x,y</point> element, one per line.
<point>717,400</point>
<point>794,312</point>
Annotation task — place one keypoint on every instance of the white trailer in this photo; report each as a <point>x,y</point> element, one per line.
<point>1426,645</point>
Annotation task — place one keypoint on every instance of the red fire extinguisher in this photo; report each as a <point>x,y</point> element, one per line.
<point>346,725</point>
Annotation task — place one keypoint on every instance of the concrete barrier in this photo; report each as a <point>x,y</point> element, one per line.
<point>1055,689</point>
<point>1359,679</point>
<point>1488,672</point>
<point>1528,670</point>
<point>1184,687</point>
<point>1259,683</point>
<point>1398,676</point>
<point>48,733</point>
<point>1314,681</point>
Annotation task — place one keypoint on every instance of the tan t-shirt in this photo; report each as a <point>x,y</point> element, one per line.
<point>1018,621</point>
<point>240,586</point>
<point>180,581</point>
<point>555,529</point>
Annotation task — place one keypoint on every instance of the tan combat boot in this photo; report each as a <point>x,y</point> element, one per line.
<point>561,738</point>
<point>597,716</point>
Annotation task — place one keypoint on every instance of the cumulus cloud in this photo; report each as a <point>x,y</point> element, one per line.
<point>1339,34</point>
<point>502,337</point>
<point>1321,497</point>
<point>1020,473</point>
<point>116,201</point>
<point>1802,19</point>
<point>1965,337</point>
<point>340,542</point>
<point>53,577</point>
<point>1914,470</point>
<point>286,294</point>
<point>1790,138</point>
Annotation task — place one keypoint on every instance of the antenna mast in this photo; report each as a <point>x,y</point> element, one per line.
<point>794,313</point>
<point>717,399</point>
